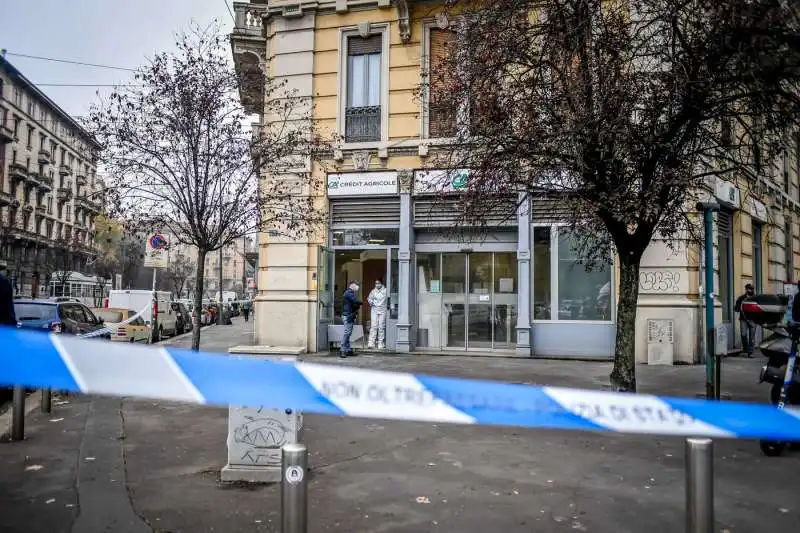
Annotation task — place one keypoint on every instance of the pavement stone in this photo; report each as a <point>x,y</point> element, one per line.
<point>398,477</point>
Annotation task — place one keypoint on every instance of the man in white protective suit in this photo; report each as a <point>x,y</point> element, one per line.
<point>377,303</point>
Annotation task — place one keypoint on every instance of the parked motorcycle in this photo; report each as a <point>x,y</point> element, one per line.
<point>773,312</point>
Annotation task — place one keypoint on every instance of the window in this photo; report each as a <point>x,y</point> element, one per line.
<point>785,168</point>
<point>363,101</point>
<point>49,205</point>
<point>441,117</point>
<point>16,127</point>
<point>42,142</point>
<point>563,289</point>
<point>31,108</point>
<point>69,213</point>
<point>788,251</point>
<point>757,258</point>
<point>30,137</point>
<point>18,97</point>
<point>13,156</point>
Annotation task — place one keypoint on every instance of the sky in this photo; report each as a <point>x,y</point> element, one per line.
<point>119,33</point>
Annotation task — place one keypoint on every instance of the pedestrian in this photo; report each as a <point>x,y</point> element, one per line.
<point>246,310</point>
<point>377,326</point>
<point>747,327</point>
<point>7,315</point>
<point>350,306</point>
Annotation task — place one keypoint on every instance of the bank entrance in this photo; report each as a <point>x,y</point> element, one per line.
<point>466,301</point>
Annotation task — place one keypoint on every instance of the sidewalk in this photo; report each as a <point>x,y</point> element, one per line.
<point>155,466</point>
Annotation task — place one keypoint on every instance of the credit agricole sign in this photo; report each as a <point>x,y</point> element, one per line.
<point>362,183</point>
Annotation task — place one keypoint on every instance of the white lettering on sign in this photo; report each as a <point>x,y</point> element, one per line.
<point>362,184</point>
<point>631,413</point>
<point>372,393</point>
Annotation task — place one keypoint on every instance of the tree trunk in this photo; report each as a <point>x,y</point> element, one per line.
<point>198,299</point>
<point>623,375</point>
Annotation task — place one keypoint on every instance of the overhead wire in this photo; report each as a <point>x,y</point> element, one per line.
<point>69,61</point>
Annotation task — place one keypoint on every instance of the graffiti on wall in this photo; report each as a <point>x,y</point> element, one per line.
<point>660,281</point>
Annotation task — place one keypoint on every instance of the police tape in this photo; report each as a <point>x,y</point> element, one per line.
<point>63,362</point>
<point>115,325</point>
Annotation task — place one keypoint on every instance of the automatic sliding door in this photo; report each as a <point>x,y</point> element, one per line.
<point>479,311</point>
<point>454,285</point>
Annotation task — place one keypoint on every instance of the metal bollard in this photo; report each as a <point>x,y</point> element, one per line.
<point>47,399</point>
<point>18,414</point>
<point>699,486</point>
<point>294,488</point>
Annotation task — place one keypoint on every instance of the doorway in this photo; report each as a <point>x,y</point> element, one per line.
<point>339,266</point>
<point>467,301</point>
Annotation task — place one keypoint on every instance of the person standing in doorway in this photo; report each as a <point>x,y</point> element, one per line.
<point>746,327</point>
<point>377,327</point>
<point>350,306</point>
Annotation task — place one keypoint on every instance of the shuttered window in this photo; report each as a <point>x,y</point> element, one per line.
<point>441,118</point>
<point>442,213</point>
<point>365,212</point>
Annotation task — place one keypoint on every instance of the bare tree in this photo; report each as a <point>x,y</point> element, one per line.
<point>61,262</point>
<point>619,110</point>
<point>180,155</point>
<point>178,273</point>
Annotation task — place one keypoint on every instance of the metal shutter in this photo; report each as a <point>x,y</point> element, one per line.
<point>439,213</point>
<point>365,212</point>
<point>724,223</point>
<point>548,210</point>
<point>358,46</point>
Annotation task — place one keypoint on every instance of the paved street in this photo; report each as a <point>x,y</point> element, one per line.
<point>129,465</point>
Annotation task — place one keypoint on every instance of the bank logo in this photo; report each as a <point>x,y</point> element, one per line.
<point>333,183</point>
<point>460,180</point>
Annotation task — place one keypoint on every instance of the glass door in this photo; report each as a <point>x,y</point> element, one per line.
<point>325,295</point>
<point>454,289</point>
<point>480,323</point>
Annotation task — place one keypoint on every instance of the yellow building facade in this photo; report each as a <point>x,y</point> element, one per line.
<point>517,290</point>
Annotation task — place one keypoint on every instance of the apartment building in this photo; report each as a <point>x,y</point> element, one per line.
<point>49,189</point>
<point>518,289</point>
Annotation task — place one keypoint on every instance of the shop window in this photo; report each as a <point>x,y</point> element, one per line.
<point>364,237</point>
<point>757,258</point>
<point>563,287</point>
<point>363,101</point>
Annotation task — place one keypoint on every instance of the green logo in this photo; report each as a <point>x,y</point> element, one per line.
<point>333,184</point>
<point>460,181</point>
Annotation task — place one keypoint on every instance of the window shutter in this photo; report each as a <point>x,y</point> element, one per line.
<point>441,118</point>
<point>359,46</point>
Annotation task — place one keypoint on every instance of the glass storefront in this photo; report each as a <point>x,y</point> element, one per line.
<point>563,289</point>
<point>466,301</point>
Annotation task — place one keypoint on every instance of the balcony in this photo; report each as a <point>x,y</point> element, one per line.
<point>249,47</point>
<point>34,179</point>
<point>63,194</point>
<point>65,170</point>
<point>80,178</point>
<point>44,157</point>
<point>46,183</point>
<point>6,134</point>
<point>17,172</point>
<point>362,124</point>
<point>6,198</point>
<point>27,208</point>
<point>83,202</point>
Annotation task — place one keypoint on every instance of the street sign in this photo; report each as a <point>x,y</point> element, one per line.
<point>156,252</point>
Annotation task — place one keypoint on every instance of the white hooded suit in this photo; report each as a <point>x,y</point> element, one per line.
<point>377,301</point>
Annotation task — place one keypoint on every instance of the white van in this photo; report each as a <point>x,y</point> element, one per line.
<point>137,300</point>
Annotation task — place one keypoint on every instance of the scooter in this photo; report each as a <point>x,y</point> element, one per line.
<point>773,312</point>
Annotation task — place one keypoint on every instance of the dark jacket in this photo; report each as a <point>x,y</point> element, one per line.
<point>7,315</point>
<point>796,308</point>
<point>737,307</point>
<point>351,304</point>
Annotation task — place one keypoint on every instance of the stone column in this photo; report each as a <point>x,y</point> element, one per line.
<point>523,276</point>
<point>404,342</point>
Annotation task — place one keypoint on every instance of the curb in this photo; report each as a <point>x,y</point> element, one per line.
<point>32,402</point>
<point>167,342</point>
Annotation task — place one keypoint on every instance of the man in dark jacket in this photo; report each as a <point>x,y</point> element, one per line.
<point>7,315</point>
<point>747,328</point>
<point>350,307</point>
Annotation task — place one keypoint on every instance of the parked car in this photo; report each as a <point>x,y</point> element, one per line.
<point>134,331</point>
<point>59,317</point>
<point>183,317</point>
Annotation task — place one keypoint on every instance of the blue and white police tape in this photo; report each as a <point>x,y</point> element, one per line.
<point>62,362</point>
<point>115,325</point>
